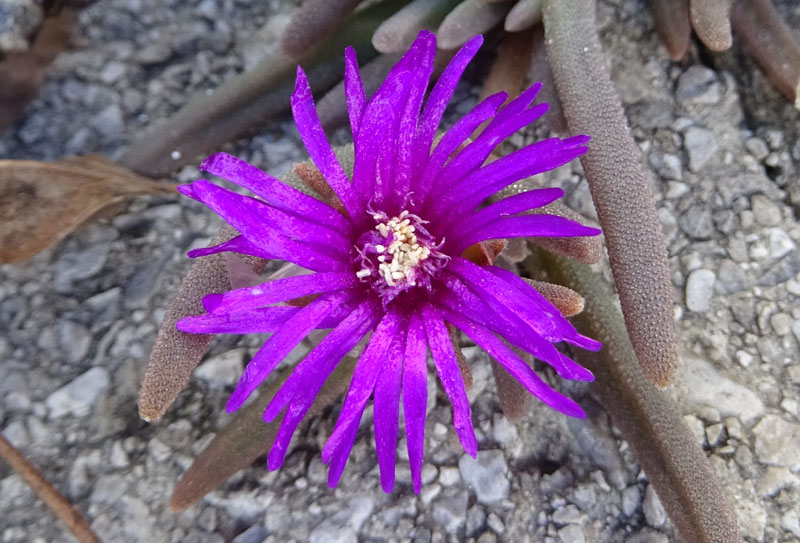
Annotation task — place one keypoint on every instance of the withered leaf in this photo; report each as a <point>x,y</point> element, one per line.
<point>42,202</point>
<point>247,437</point>
<point>22,72</point>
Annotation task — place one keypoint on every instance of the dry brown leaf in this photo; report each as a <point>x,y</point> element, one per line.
<point>22,72</point>
<point>42,202</point>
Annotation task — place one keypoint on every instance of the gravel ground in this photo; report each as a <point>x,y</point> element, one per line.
<point>78,320</point>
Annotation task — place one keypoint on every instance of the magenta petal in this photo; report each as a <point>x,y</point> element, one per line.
<point>454,137</point>
<point>308,377</point>
<point>517,105</point>
<point>524,226</point>
<point>320,151</point>
<point>387,405</point>
<point>490,179</point>
<point>476,153</point>
<point>515,366</point>
<point>363,382</point>
<point>273,191</point>
<point>243,215</point>
<point>379,111</point>
<point>280,344</point>
<point>237,244</point>
<point>362,385</point>
<point>281,290</point>
<point>415,396</point>
<point>259,321</point>
<point>533,297</point>
<point>442,93</point>
<point>410,116</point>
<point>354,93</point>
<point>511,205</point>
<point>296,228</point>
<point>444,357</point>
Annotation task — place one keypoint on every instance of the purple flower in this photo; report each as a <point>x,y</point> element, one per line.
<point>386,259</point>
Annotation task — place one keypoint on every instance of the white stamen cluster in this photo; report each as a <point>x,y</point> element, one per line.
<point>400,258</point>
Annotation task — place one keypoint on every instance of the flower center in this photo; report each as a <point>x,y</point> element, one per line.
<point>398,254</point>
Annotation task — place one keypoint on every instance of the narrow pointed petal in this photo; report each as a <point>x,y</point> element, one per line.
<point>364,378</point>
<point>442,93</point>
<point>450,376</point>
<point>281,290</point>
<point>409,119</point>
<point>296,228</point>
<point>320,151</point>
<point>456,136</point>
<point>280,344</point>
<point>259,321</point>
<point>415,396</point>
<point>476,153</point>
<point>246,220</point>
<point>511,205</point>
<point>238,244</point>
<point>514,365</point>
<point>272,191</point>
<point>387,407</point>
<point>354,93</point>
<point>524,226</point>
<point>305,382</point>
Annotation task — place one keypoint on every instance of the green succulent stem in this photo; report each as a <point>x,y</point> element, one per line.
<point>649,420</point>
<point>617,181</point>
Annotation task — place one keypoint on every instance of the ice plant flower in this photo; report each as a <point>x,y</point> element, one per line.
<point>386,258</point>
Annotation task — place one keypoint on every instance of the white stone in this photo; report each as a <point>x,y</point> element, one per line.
<point>654,512</point>
<point>777,442</point>
<point>701,385</point>
<point>699,290</point>
<point>780,244</point>
<point>486,475</point>
<point>77,397</point>
<point>223,369</point>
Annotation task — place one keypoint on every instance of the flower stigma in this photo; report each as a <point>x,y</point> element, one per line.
<point>397,254</point>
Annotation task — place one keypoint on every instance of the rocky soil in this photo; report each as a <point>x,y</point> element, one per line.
<point>77,321</point>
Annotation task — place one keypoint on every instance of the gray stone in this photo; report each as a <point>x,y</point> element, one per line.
<point>756,147</point>
<point>571,533</point>
<point>110,122</point>
<point>112,72</point>
<point>77,266</point>
<point>731,278</point>
<point>765,211</point>
<point>450,512</point>
<point>702,385</point>
<point>697,222</point>
<point>155,53</point>
<point>654,512</point>
<point>777,442</point>
<point>699,290</point>
<point>74,340</point>
<point>254,534</point>
<point>783,270</point>
<point>735,185</point>
<point>780,244</point>
<point>700,146</point>
<point>17,434</point>
<point>222,370</point>
<point>569,514</point>
<point>476,519</point>
<point>666,165</point>
<point>631,497</point>
<point>77,397</point>
<point>486,475</point>
<point>774,480</point>
<point>698,86</point>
